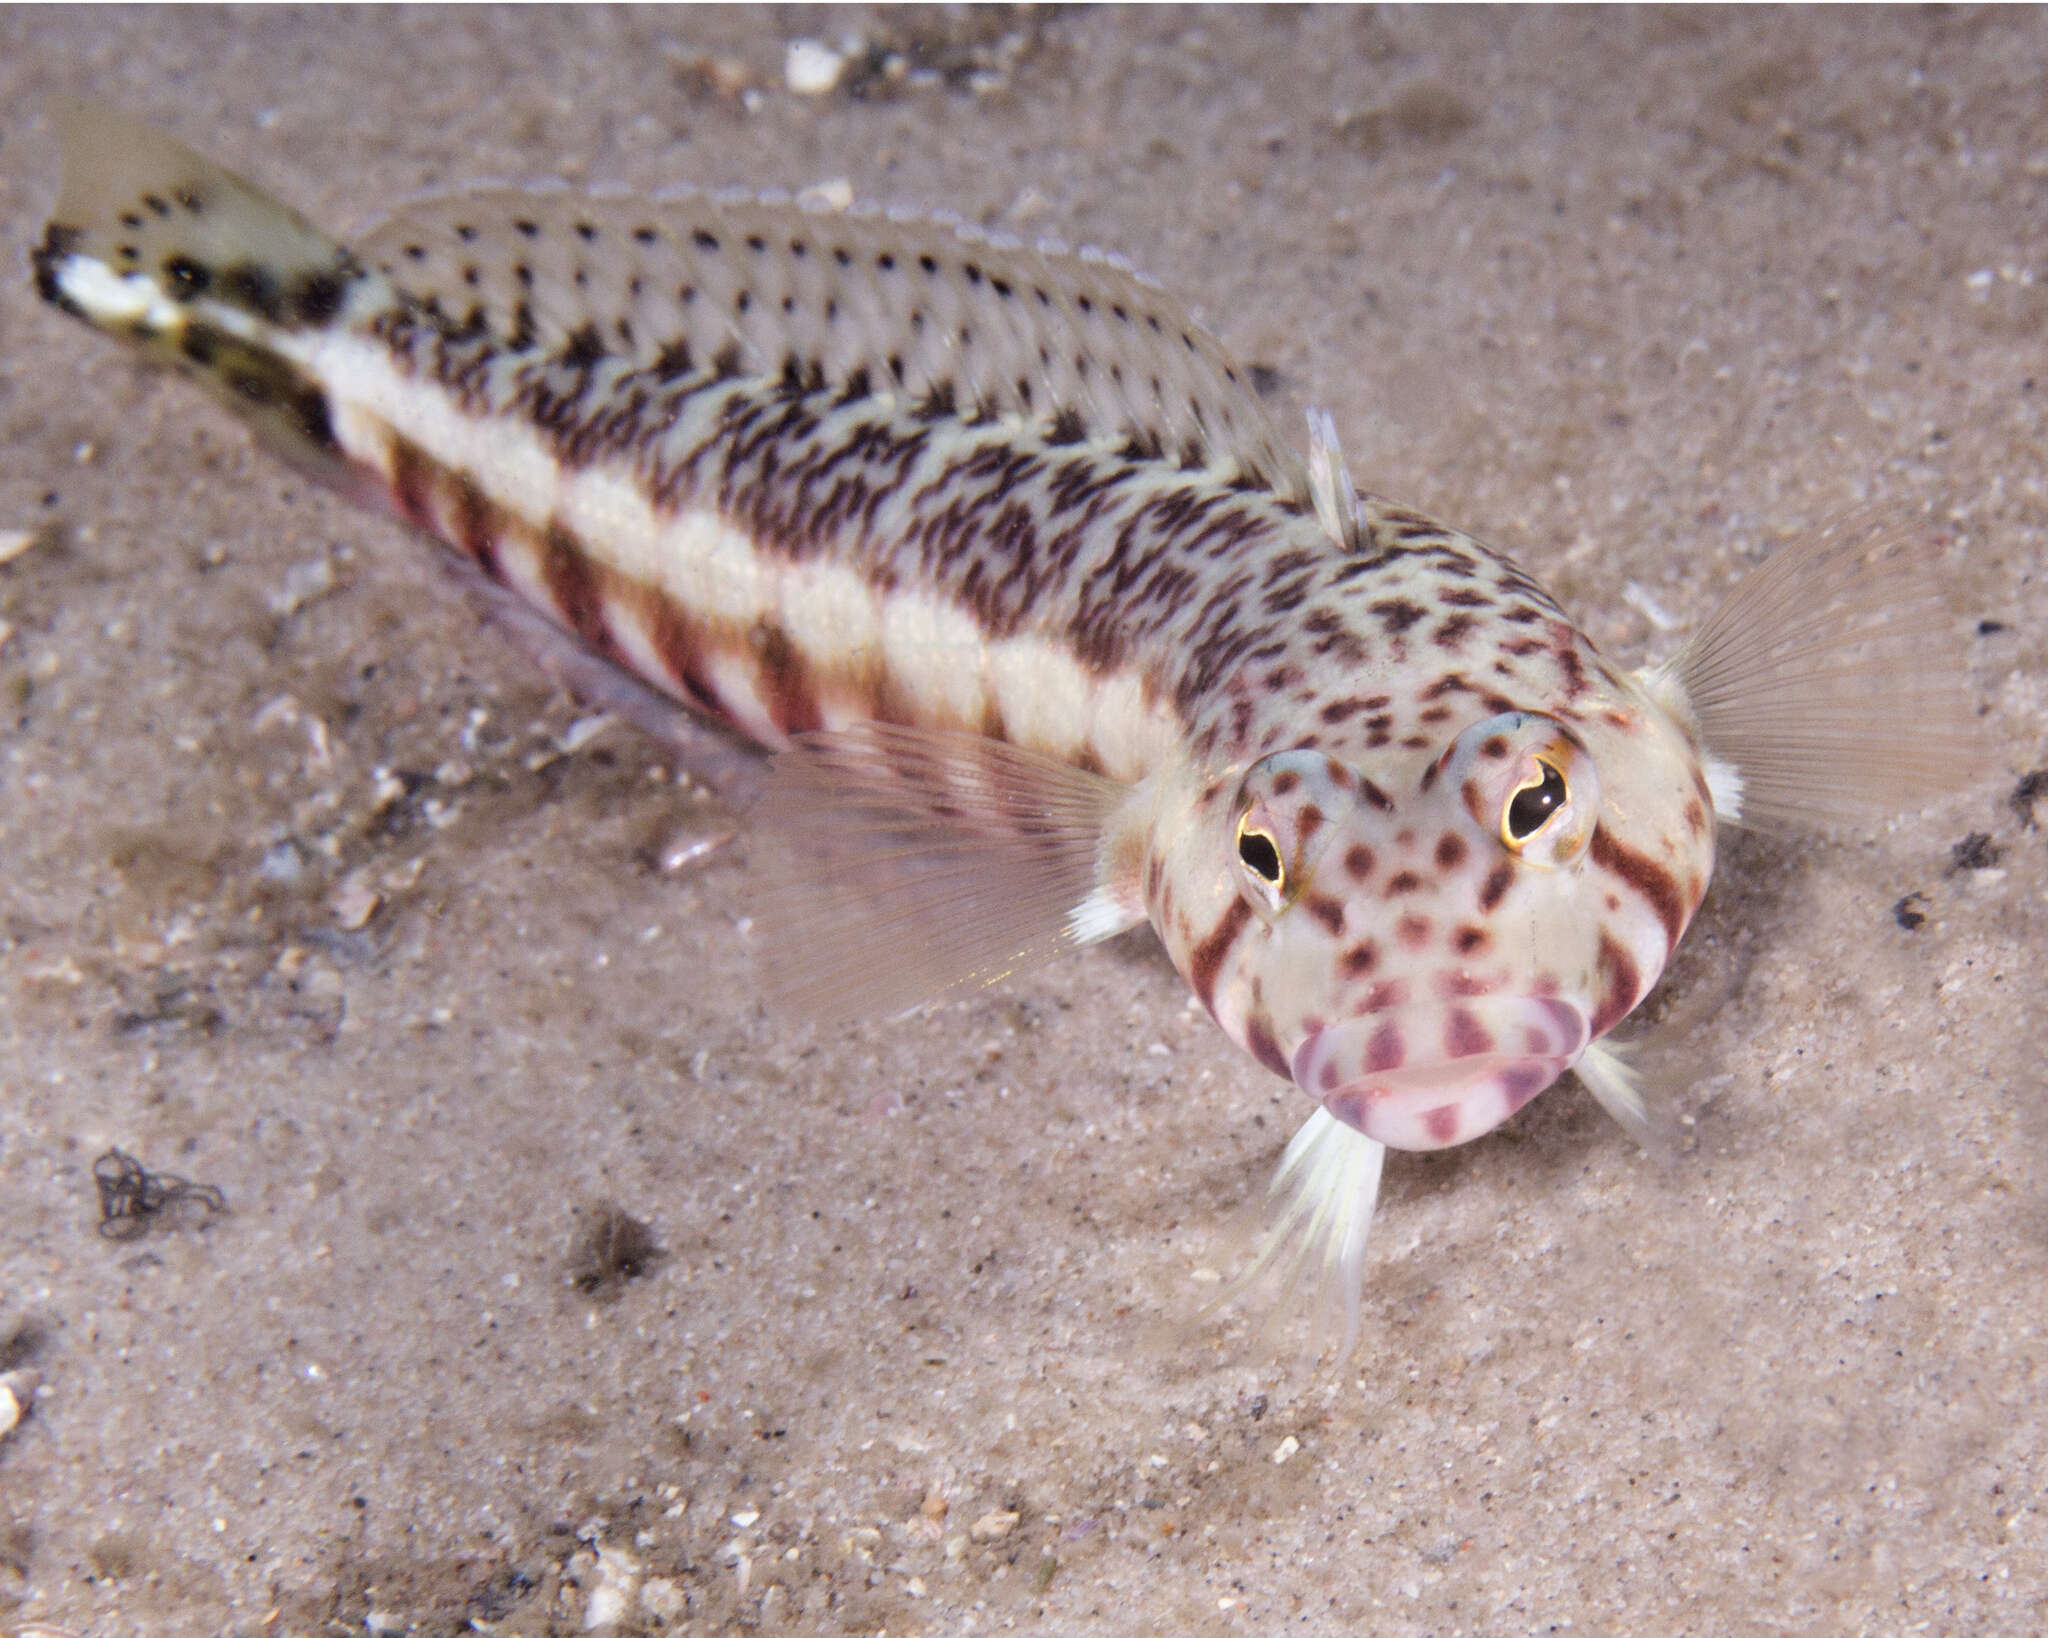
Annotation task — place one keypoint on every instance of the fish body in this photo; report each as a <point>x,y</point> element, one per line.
<point>1046,629</point>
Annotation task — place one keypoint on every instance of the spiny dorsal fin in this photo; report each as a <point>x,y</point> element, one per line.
<point>916,860</point>
<point>936,311</point>
<point>1830,684</point>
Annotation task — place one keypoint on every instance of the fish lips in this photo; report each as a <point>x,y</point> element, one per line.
<point>1429,1077</point>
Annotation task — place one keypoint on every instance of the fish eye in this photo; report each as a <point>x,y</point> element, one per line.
<point>1260,854</point>
<point>1533,804</point>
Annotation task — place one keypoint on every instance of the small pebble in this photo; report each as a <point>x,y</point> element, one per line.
<point>836,194</point>
<point>354,901</point>
<point>1285,1449</point>
<point>303,583</point>
<point>811,68</point>
<point>581,732</point>
<point>283,864</point>
<point>993,1526</point>
<point>17,1389</point>
<point>663,1600</point>
<point>13,542</point>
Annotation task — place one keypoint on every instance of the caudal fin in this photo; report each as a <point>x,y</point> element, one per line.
<point>157,245</point>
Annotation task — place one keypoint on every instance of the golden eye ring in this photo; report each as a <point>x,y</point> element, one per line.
<point>1258,850</point>
<point>1532,805</point>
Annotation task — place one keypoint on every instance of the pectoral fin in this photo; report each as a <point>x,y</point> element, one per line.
<point>1830,685</point>
<point>915,861</point>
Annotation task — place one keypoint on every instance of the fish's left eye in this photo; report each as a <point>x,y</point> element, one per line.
<point>1528,780</point>
<point>1537,800</point>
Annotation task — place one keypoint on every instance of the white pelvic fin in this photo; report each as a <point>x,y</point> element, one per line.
<point>1317,1216</point>
<point>1830,684</point>
<point>1329,481</point>
<point>915,861</point>
<point>929,309</point>
<point>1638,1104</point>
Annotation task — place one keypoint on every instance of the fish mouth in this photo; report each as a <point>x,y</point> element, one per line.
<point>1429,1077</point>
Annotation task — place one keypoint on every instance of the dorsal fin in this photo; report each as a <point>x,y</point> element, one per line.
<point>1077,344</point>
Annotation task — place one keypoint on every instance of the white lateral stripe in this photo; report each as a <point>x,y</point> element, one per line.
<point>934,649</point>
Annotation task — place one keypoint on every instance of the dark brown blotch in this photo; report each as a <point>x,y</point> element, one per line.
<point>1359,960</point>
<point>1328,911</point>
<point>1465,1036</point>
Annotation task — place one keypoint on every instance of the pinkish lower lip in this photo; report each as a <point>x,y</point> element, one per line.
<point>1429,1077</point>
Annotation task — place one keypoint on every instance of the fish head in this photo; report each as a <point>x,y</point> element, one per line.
<point>1424,954</point>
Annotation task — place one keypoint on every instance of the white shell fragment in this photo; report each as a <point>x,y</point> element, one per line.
<point>811,68</point>
<point>13,542</point>
<point>17,1392</point>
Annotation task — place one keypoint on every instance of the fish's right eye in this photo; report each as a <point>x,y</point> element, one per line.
<point>1260,854</point>
<point>1533,804</point>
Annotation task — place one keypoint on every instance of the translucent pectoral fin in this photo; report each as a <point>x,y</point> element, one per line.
<point>1830,685</point>
<point>915,861</point>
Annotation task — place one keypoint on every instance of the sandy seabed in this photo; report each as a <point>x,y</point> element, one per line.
<point>314,892</point>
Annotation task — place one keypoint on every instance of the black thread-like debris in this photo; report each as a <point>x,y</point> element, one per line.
<point>133,1199</point>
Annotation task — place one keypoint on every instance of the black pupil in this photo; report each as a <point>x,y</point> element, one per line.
<point>1530,809</point>
<point>1260,856</point>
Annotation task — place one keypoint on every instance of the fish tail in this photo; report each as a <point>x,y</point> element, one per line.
<point>160,247</point>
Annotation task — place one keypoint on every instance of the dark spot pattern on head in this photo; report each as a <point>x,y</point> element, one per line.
<point>1326,910</point>
<point>1205,961</point>
<point>1385,1050</point>
<point>1465,1036</point>
<point>1649,879</point>
<point>1259,1041</point>
<point>1620,985</point>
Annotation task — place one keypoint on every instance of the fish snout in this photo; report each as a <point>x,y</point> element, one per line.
<point>1429,1077</point>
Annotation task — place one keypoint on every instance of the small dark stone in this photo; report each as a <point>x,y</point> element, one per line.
<point>613,1249</point>
<point>2026,793</point>
<point>1990,628</point>
<point>1975,851</point>
<point>1908,912</point>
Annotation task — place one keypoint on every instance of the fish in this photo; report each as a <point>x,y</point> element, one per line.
<point>980,574</point>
